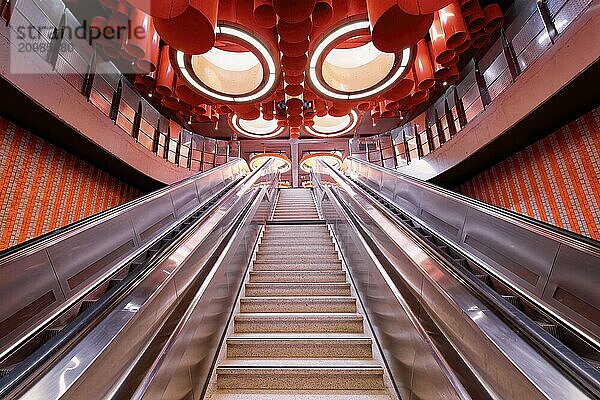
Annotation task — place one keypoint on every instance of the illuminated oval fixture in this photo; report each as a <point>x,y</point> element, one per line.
<point>282,163</point>
<point>228,75</point>
<point>345,65</point>
<point>308,162</point>
<point>329,126</point>
<point>259,128</point>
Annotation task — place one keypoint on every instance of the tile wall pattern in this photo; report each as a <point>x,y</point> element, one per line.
<point>43,188</point>
<point>556,180</point>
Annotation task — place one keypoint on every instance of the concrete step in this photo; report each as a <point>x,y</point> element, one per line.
<point>297,289</point>
<point>298,276</point>
<point>298,322</point>
<point>299,346</point>
<point>304,374</point>
<point>299,395</point>
<point>297,251</point>
<point>286,265</point>
<point>308,258</point>
<point>298,304</point>
<point>276,240</point>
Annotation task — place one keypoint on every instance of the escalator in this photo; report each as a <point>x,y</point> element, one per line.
<point>356,289</point>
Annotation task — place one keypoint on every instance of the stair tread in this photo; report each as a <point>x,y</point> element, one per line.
<point>314,336</point>
<point>233,394</point>
<point>301,363</point>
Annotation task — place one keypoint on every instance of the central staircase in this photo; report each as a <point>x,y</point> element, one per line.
<point>298,333</point>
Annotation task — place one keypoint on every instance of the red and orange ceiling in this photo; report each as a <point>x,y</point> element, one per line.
<point>311,65</point>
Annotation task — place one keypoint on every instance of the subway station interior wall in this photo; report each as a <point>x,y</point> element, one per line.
<point>555,180</point>
<point>43,188</point>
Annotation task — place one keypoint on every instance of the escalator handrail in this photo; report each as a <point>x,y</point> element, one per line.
<point>72,331</point>
<point>539,227</point>
<point>563,356</point>
<point>49,238</point>
<point>170,343</point>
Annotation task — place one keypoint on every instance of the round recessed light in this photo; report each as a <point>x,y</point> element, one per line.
<point>282,162</point>
<point>259,128</point>
<point>345,65</point>
<point>329,126</point>
<point>240,69</point>
<point>308,162</point>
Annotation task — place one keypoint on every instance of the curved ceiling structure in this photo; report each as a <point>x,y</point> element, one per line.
<point>289,64</point>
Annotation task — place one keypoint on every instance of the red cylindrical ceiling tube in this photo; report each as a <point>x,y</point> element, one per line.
<point>160,8</point>
<point>295,132</point>
<point>476,20</point>
<point>166,76</point>
<point>439,71</point>
<point>142,30</point>
<point>401,89</point>
<point>493,18</point>
<point>294,80</point>
<point>264,13</point>
<point>439,52</point>
<point>294,49</point>
<point>393,30</point>
<point>193,31</point>
<point>453,25</point>
<point>293,10</point>
<point>149,62</point>
<point>423,67</point>
<point>296,32</point>
<point>323,12</point>
<point>419,7</point>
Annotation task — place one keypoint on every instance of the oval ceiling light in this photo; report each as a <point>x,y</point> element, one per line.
<point>345,65</point>
<point>282,162</point>
<point>259,128</point>
<point>329,126</point>
<point>240,70</point>
<point>308,162</point>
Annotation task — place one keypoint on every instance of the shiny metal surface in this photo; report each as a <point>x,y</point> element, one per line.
<point>416,367</point>
<point>499,359</point>
<point>37,282</point>
<point>105,361</point>
<point>537,261</point>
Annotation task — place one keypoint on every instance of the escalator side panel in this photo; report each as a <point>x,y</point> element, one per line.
<point>28,290</point>
<point>185,199</point>
<point>447,217</point>
<point>518,250</point>
<point>149,224</point>
<point>573,287</point>
<point>80,259</point>
<point>511,251</point>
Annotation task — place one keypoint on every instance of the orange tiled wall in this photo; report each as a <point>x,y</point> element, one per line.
<point>556,180</point>
<point>43,188</point>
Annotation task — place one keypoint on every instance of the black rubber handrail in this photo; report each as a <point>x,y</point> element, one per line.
<point>67,335</point>
<point>490,208</point>
<point>103,214</point>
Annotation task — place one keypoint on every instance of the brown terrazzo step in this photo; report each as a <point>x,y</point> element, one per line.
<point>299,346</point>
<point>298,304</point>
<point>309,258</point>
<point>298,322</point>
<point>297,289</point>
<point>259,265</point>
<point>320,376</point>
<point>298,276</point>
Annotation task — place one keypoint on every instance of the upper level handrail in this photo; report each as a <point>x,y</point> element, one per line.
<point>49,238</point>
<point>537,226</point>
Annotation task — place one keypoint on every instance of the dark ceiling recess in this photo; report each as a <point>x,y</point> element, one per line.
<point>20,109</point>
<point>574,100</point>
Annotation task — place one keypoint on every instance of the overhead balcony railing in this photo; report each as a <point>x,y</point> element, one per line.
<point>104,86</point>
<point>531,30</point>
